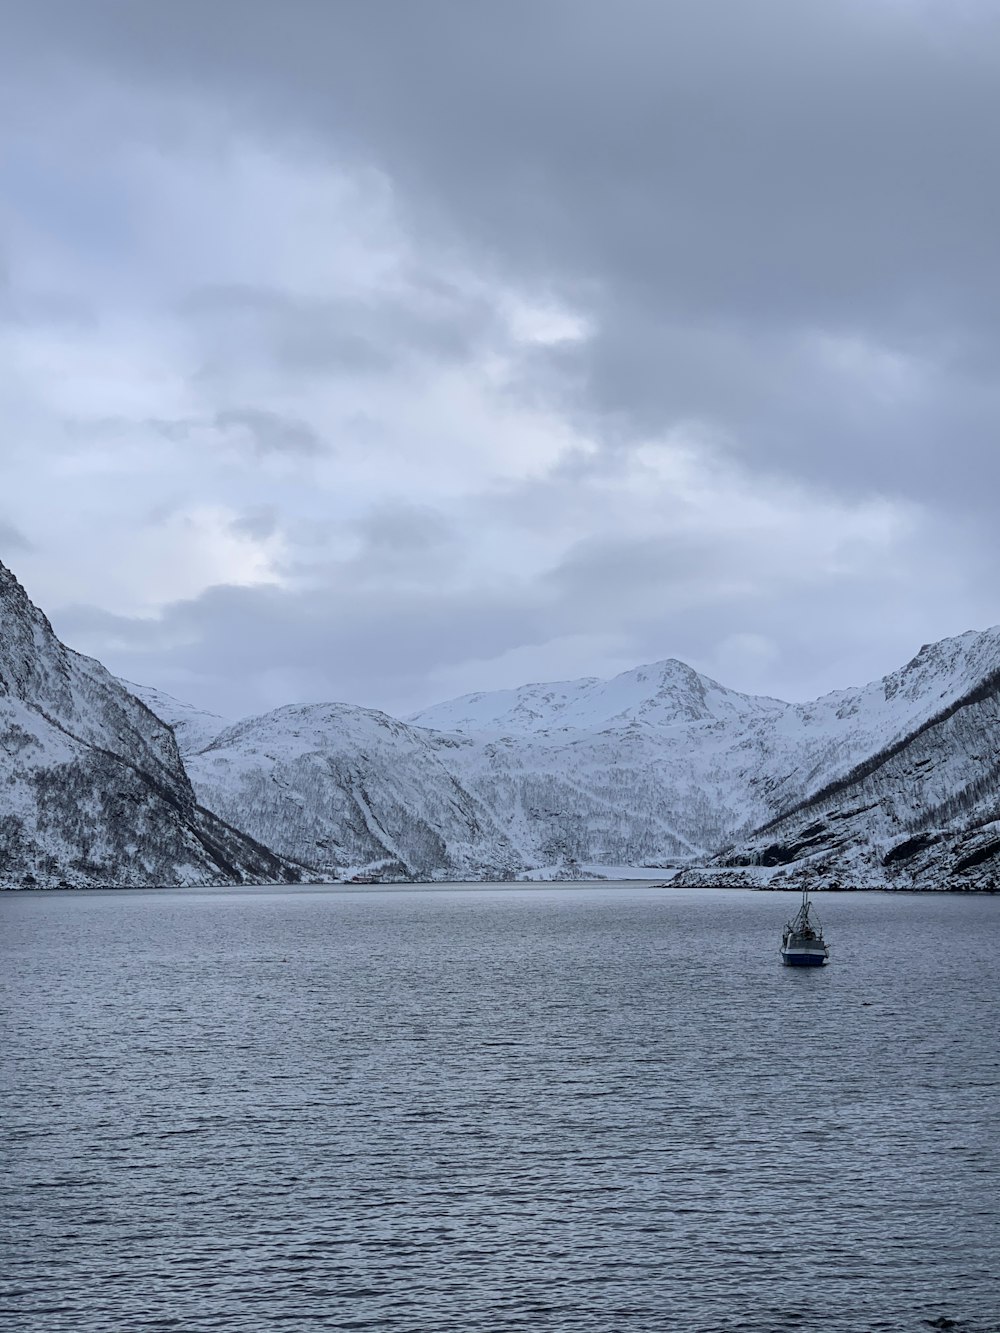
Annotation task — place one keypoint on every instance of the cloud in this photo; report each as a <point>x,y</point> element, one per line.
<point>254,648</point>
<point>12,539</point>
<point>750,584</point>
<point>413,318</point>
<point>408,355</point>
<point>260,522</point>
<point>260,431</point>
<point>724,201</point>
<point>270,431</point>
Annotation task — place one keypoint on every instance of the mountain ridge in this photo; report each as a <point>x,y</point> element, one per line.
<point>895,783</point>
<point>683,695</point>
<point>588,772</point>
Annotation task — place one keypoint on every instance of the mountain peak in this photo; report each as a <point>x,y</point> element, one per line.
<point>660,694</point>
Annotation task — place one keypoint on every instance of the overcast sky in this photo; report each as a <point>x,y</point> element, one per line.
<point>383,350</point>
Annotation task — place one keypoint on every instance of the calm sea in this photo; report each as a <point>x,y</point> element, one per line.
<point>486,1108</point>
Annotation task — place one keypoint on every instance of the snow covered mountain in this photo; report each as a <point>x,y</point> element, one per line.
<point>338,786</point>
<point>193,727</point>
<point>924,808</point>
<point>659,766</point>
<point>94,790</point>
<point>664,694</point>
<point>895,783</point>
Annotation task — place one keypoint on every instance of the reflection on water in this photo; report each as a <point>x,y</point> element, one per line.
<point>491,1109</point>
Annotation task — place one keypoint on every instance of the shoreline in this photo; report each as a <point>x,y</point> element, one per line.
<point>343,886</point>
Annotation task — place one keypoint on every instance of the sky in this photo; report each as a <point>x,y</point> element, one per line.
<point>382,352</point>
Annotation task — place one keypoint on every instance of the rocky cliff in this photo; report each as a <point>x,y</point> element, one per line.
<point>93,787</point>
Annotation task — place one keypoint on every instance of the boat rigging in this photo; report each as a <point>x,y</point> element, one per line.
<point>802,943</point>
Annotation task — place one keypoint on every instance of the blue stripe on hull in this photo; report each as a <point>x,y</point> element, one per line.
<point>803,959</point>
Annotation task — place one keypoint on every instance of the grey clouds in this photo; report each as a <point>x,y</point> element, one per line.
<point>500,341</point>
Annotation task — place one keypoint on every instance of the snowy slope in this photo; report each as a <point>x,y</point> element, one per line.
<point>339,786</point>
<point>924,810</point>
<point>664,694</point>
<point>193,727</point>
<point>94,790</point>
<point>658,766</point>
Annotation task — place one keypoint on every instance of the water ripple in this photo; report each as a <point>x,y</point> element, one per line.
<point>593,1110</point>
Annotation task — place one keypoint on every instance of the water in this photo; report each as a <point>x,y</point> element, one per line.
<point>494,1108</point>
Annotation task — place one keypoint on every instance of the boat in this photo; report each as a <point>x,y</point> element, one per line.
<point>802,943</point>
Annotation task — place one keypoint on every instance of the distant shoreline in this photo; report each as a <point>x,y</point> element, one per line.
<point>342,886</point>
